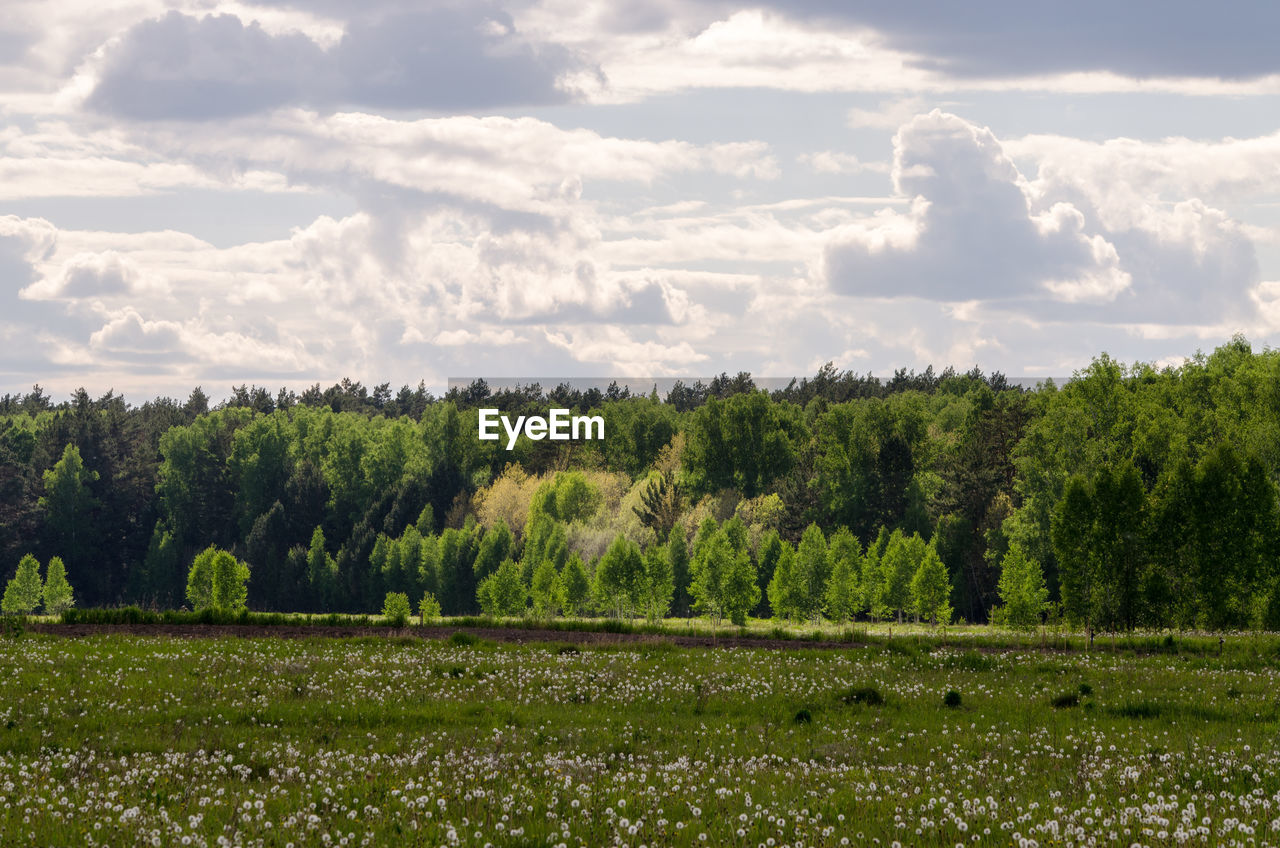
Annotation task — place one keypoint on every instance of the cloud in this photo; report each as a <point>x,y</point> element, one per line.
<point>970,233</point>
<point>88,275</point>
<point>834,162</point>
<point>1013,38</point>
<point>452,59</point>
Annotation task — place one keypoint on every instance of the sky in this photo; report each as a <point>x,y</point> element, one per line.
<point>216,192</point>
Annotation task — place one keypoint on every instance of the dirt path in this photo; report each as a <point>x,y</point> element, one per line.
<point>495,634</point>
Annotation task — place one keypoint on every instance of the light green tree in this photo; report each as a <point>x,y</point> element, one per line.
<point>200,579</point>
<point>740,592</point>
<point>843,595</point>
<point>931,588</point>
<point>575,587</point>
<point>659,583</point>
<point>428,608</point>
<point>396,609</point>
<point>1022,589</point>
<point>503,592</point>
<point>322,570</point>
<point>782,586</point>
<point>22,594</point>
<point>57,593</point>
<point>230,583</point>
<point>620,577</point>
<point>545,590</point>
<point>897,568</point>
<point>811,571</point>
<point>68,504</point>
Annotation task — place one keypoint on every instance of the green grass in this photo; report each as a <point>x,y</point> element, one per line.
<point>400,741</point>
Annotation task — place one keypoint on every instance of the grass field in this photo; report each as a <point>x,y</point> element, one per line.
<point>122,740</point>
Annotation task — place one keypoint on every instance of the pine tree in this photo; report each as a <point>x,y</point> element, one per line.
<point>57,593</point>
<point>22,594</point>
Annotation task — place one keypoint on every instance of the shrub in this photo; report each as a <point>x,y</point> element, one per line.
<point>462,640</point>
<point>868,695</point>
<point>803,717</point>
<point>1085,689</point>
<point>395,608</point>
<point>951,699</point>
<point>428,608</point>
<point>1065,700</point>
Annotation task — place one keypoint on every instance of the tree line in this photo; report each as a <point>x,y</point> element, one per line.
<point>1131,496</point>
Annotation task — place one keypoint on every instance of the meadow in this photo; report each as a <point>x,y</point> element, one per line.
<point>391,740</point>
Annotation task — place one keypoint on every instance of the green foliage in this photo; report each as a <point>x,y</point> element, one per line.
<point>843,591</point>
<point>810,573</point>
<point>575,587</point>
<point>503,592</point>
<point>428,608</point>
<point>230,583</point>
<point>744,442</point>
<point>546,591</point>
<point>723,575</point>
<point>396,609</point>
<point>659,583</point>
<point>783,587</point>
<point>620,578</point>
<point>931,588</point>
<point>57,593</point>
<point>22,593</point>
<point>217,580</point>
<point>1022,590</point>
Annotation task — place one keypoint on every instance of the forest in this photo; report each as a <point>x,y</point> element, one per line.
<point>1129,497</point>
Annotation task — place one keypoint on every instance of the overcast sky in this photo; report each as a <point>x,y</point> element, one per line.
<point>284,193</point>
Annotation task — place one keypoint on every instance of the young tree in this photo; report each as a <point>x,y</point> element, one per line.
<point>931,588</point>
<point>322,572</point>
<point>678,558</point>
<point>22,594</point>
<point>620,577</point>
<point>711,562</point>
<point>200,578</point>
<point>659,583</point>
<point>767,560</point>
<point>576,586</point>
<point>1022,589</point>
<point>546,590</point>
<point>740,592</point>
<point>873,574</point>
<point>68,503</point>
<point>843,595</point>
<point>57,593</point>
<point>396,609</point>
<point>782,586</point>
<point>503,592</point>
<point>230,583</point>
<point>897,567</point>
<point>811,571</point>
<point>428,608</point>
